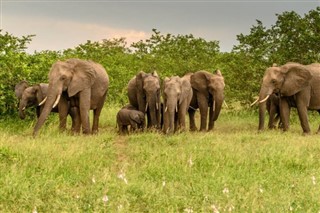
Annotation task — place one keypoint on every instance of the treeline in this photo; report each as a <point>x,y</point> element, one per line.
<point>292,38</point>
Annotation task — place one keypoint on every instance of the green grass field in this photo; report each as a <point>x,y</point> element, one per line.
<point>232,169</point>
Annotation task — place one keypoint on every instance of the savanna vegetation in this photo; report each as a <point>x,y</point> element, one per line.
<point>232,169</point>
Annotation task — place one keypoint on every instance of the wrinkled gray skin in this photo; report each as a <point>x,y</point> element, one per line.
<point>177,95</point>
<point>208,92</point>
<point>84,84</point>
<point>31,96</point>
<point>144,94</point>
<point>298,86</point>
<point>130,116</point>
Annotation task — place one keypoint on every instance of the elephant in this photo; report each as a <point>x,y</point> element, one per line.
<point>177,95</point>
<point>144,94</point>
<point>273,109</point>
<point>208,91</point>
<point>32,96</point>
<point>298,86</point>
<point>84,84</point>
<point>130,116</point>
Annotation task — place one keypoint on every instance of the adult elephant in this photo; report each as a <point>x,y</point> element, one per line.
<point>208,91</point>
<point>298,86</point>
<point>83,83</point>
<point>177,95</point>
<point>144,94</point>
<point>32,96</point>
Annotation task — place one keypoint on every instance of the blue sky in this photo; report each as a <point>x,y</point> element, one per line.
<point>61,24</point>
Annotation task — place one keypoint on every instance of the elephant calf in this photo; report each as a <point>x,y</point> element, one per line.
<point>273,108</point>
<point>130,116</point>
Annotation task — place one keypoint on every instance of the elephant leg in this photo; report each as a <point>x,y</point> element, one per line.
<point>125,129</point>
<point>176,122</point>
<point>211,121</point>
<point>96,115</point>
<point>303,112</point>
<point>38,111</point>
<point>84,103</point>
<point>284,113</point>
<point>203,106</point>
<point>149,124</point>
<point>63,108</point>
<point>76,121</point>
<point>192,122</point>
<point>182,119</point>
<point>318,132</point>
<point>272,118</point>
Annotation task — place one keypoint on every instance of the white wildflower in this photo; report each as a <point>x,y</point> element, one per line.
<point>105,199</point>
<point>313,180</point>
<point>163,183</point>
<point>93,179</point>
<point>35,210</point>
<point>190,162</point>
<point>188,210</point>
<point>214,209</point>
<point>120,207</point>
<point>230,208</point>
<point>122,176</point>
<point>260,189</point>
<point>77,196</point>
<point>225,191</point>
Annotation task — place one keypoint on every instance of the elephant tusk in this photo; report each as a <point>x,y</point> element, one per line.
<point>176,108</point>
<point>264,99</point>
<point>253,103</point>
<point>24,108</point>
<point>146,107</point>
<point>157,106</point>
<point>43,101</point>
<point>57,101</point>
<point>166,109</point>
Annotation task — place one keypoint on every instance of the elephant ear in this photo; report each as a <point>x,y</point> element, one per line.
<point>297,78</point>
<point>199,81</point>
<point>135,117</point>
<point>83,78</point>
<point>19,88</point>
<point>38,93</point>
<point>185,90</point>
<point>139,80</point>
<point>155,74</point>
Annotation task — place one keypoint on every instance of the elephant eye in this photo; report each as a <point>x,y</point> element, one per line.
<point>273,81</point>
<point>62,78</point>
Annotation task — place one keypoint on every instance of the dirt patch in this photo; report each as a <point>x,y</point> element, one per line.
<point>121,145</point>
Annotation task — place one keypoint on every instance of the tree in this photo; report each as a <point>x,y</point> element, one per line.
<point>175,55</point>
<point>13,68</point>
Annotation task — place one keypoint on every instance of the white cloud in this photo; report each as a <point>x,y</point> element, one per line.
<point>59,34</point>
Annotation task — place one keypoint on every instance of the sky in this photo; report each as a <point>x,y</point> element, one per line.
<point>62,24</point>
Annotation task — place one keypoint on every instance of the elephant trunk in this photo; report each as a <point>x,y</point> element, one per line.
<point>263,95</point>
<point>51,99</point>
<point>170,110</point>
<point>153,108</point>
<point>218,101</point>
<point>22,107</point>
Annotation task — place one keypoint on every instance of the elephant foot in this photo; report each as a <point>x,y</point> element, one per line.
<point>306,133</point>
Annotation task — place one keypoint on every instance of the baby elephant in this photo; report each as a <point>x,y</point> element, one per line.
<point>130,116</point>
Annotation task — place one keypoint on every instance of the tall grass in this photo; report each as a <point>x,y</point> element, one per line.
<point>232,169</point>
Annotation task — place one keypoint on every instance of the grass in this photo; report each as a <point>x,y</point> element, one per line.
<point>232,169</point>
